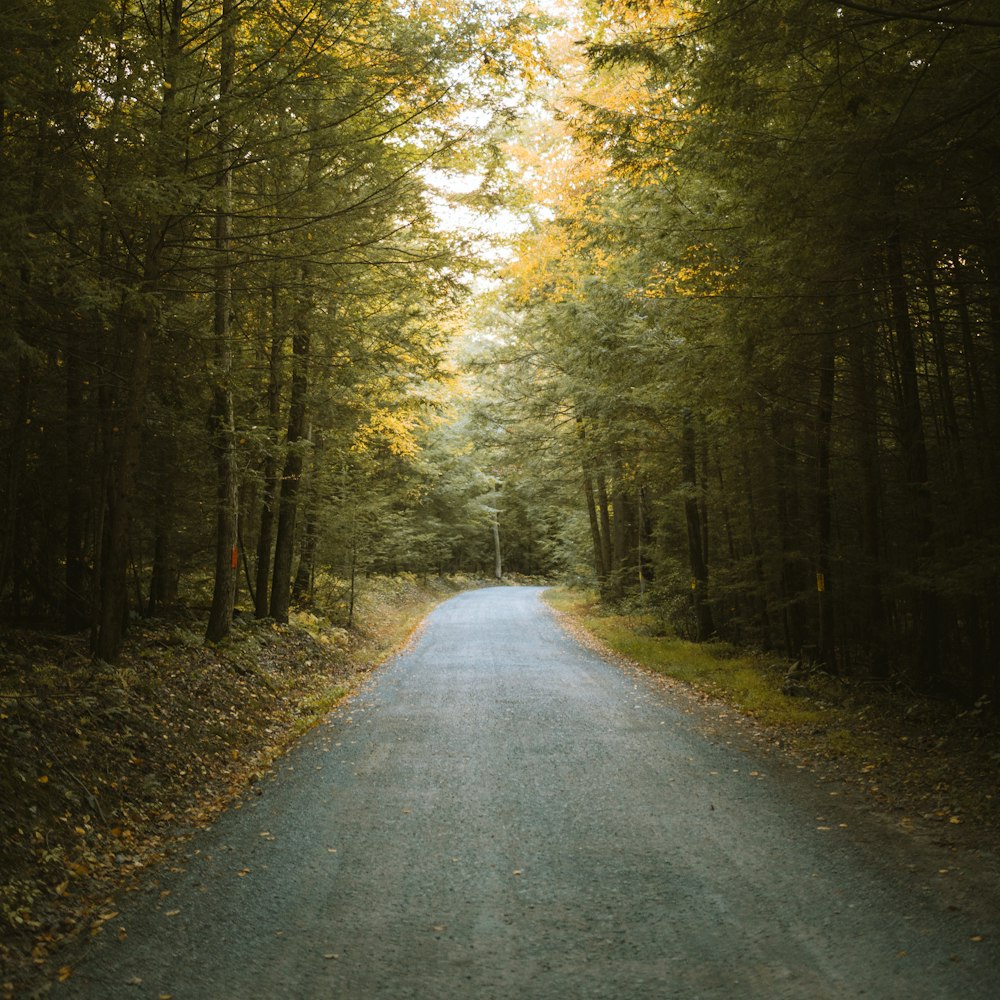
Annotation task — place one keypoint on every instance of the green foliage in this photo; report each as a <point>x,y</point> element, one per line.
<point>761,339</point>
<point>217,252</point>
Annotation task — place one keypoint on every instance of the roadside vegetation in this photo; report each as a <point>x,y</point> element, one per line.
<point>920,760</point>
<point>106,768</point>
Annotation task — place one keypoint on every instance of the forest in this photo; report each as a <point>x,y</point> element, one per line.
<point>721,339</point>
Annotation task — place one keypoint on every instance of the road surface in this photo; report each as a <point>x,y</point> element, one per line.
<point>502,814</point>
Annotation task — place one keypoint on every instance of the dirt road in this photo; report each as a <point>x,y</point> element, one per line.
<point>501,814</point>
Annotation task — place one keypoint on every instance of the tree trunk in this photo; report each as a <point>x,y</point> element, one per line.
<point>266,536</point>
<point>124,451</point>
<point>824,426</point>
<point>624,537</point>
<point>793,585</point>
<point>605,519</point>
<point>10,563</point>
<point>697,557</point>
<point>302,585</point>
<point>281,586</point>
<point>223,417</point>
<point>926,627</point>
<point>866,422</point>
<point>163,582</point>
<point>620,536</point>
<point>946,394</point>
<point>77,603</point>
<point>498,556</point>
<point>600,566</point>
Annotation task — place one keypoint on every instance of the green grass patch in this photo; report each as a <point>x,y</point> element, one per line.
<point>747,680</point>
<point>316,706</point>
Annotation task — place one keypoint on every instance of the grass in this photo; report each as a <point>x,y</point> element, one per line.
<point>315,707</point>
<point>747,680</point>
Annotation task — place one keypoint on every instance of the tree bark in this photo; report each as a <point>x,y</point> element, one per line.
<point>927,623</point>
<point>291,475</point>
<point>793,586</point>
<point>77,602</point>
<point>125,439</point>
<point>265,537</point>
<point>498,555</point>
<point>866,438</point>
<point>605,518</point>
<point>223,417</point>
<point>824,429</point>
<point>697,557</point>
<point>302,584</point>
<point>600,567</point>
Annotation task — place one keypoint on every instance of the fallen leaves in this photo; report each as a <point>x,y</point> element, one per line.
<point>98,924</point>
<point>167,736</point>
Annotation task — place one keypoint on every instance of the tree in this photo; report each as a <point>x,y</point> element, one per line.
<point>767,302</point>
<point>170,168</point>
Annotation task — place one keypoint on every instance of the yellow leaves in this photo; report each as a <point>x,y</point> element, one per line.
<point>700,273</point>
<point>98,924</point>
<point>546,266</point>
<point>388,430</point>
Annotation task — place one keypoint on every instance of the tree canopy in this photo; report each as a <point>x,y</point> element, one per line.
<point>763,317</point>
<point>742,362</point>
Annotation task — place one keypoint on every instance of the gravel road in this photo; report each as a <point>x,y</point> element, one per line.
<point>502,814</point>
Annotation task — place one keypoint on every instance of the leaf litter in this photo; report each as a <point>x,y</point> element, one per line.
<point>108,768</point>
